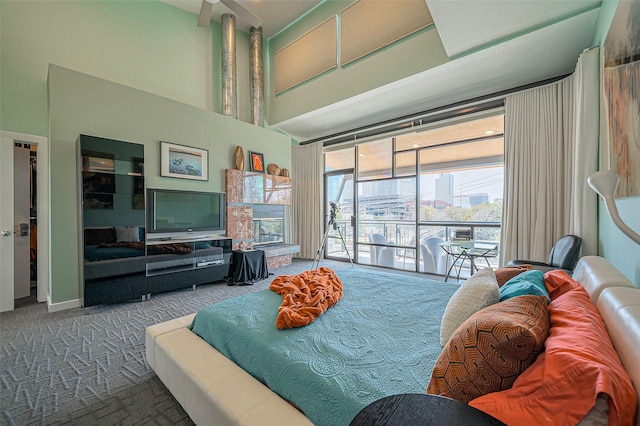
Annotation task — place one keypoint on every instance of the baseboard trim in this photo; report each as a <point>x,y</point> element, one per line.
<point>63,306</point>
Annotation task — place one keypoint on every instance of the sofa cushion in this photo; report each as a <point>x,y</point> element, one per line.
<point>478,292</point>
<point>579,363</point>
<point>489,351</point>
<point>595,273</point>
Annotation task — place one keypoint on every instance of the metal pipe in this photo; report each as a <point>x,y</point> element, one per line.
<point>229,74</point>
<point>257,77</point>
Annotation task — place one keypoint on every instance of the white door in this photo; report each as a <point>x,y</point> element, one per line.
<point>6,224</point>
<point>7,220</point>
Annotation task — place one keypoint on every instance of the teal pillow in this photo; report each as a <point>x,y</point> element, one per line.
<point>527,283</point>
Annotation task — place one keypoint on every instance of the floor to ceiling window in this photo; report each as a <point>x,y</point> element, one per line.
<point>339,189</point>
<point>417,192</point>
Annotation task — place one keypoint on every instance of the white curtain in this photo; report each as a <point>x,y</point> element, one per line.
<point>551,147</point>
<point>307,198</point>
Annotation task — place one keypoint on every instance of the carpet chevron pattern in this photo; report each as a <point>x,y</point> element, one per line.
<point>87,366</point>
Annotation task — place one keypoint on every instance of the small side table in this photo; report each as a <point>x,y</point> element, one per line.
<point>421,409</point>
<point>248,267</point>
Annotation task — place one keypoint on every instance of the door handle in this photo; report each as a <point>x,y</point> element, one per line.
<point>5,233</point>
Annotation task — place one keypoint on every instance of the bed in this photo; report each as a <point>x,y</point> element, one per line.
<point>215,390</point>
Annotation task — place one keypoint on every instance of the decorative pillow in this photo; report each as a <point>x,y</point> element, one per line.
<point>490,350</point>
<point>478,292</point>
<point>95,236</point>
<point>527,283</point>
<point>579,363</point>
<point>558,282</point>
<point>505,273</point>
<point>127,234</point>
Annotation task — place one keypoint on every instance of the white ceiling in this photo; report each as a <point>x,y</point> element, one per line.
<point>275,14</point>
<point>529,58</point>
<point>512,43</point>
<point>465,25</point>
<point>493,45</point>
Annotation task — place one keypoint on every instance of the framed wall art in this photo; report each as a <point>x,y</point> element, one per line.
<point>183,161</point>
<point>257,161</point>
<point>620,75</point>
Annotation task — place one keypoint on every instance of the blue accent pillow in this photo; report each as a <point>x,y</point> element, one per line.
<point>527,283</point>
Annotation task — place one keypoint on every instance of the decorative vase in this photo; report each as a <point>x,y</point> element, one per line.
<point>284,172</point>
<point>238,158</point>
<point>273,169</point>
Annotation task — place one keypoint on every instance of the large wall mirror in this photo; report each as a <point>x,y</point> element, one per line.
<point>111,175</point>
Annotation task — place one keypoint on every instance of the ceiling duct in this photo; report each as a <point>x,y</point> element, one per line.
<point>256,76</point>
<point>229,74</point>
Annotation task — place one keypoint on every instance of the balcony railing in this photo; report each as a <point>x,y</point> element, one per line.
<point>393,243</point>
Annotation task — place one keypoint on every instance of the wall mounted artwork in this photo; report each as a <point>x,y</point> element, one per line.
<point>621,92</point>
<point>257,161</point>
<point>183,162</point>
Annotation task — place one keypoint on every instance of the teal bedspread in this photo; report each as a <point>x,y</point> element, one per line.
<point>381,339</point>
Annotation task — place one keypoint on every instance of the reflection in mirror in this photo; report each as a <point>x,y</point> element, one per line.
<point>113,220</point>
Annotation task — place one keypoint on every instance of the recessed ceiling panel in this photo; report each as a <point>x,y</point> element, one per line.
<point>308,56</point>
<point>476,129</point>
<point>369,25</point>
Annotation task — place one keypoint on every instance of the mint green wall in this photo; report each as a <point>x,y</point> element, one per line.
<point>619,249</point>
<point>417,53</point>
<point>613,244</point>
<point>144,44</point>
<point>83,104</point>
<point>607,10</point>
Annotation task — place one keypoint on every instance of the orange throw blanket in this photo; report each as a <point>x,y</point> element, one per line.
<point>306,296</point>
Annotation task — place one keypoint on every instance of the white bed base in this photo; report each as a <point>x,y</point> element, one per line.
<point>215,391</point>
<point>212,389</point>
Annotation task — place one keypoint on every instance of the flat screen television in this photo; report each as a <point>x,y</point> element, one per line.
<point>173,213</point>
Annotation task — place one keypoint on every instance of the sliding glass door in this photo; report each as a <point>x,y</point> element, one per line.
<point>339,214</point>
<point>402,198</point>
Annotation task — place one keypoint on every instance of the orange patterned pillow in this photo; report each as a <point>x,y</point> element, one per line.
<point>489,351</point>
<point>505,273</point>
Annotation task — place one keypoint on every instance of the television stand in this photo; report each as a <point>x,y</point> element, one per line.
<point>192,238</point>
<point>183,262</point>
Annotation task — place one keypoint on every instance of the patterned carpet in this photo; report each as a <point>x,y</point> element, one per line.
<point>87,366</point>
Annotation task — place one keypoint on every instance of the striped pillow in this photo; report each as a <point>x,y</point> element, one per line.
<point>478,292</point>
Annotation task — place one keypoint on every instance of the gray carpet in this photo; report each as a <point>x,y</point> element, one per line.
<point>87,366</point>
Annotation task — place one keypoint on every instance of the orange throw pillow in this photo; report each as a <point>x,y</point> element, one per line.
<point>579,362</point>
<point>505,273</point>
<point>558,283</point>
